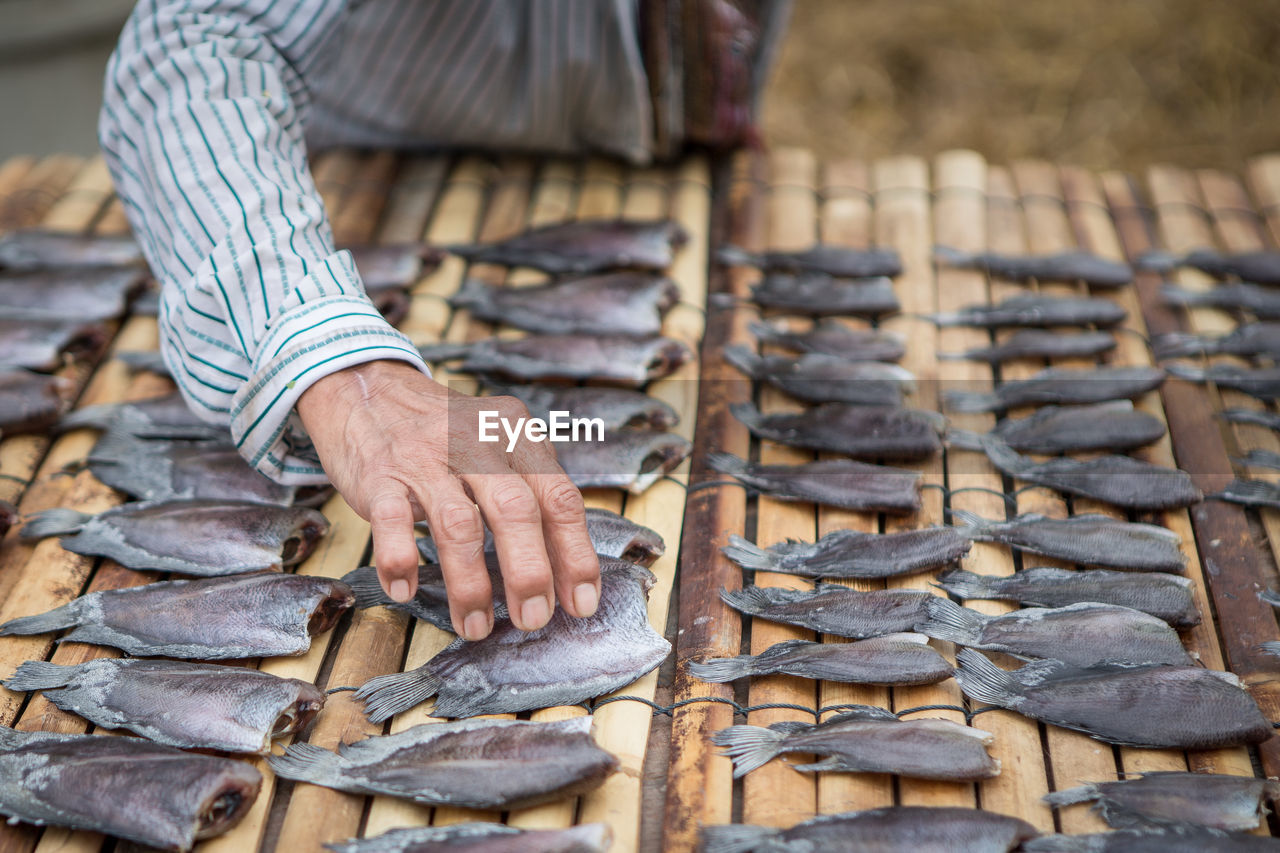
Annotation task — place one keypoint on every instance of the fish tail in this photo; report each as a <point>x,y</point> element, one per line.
<point>364,583</point>
<point>748,555</point>
<point>735,838</point>
<point>1248,416</point>
<point>949,257</point>
<point>308,763</point>
<point>1271,647</point>
<point>750,747</point>
<point>970,401</point>
<point>983,681</point>
<point>388,695</point>
<point>727,463</point>
<point>1003,456</point>
<point>1249,492</point>
<point>40,675</point>
<point>1270,596</point>
<point>964,584</point>
<point>1187,372</point>
<point>1071,796</point>
<point>66,616</point>
<point>54,522</point>
<point>1157,260</point>
<point>1260,458</point>
<point>950,622</point>
<point>736,256</point>
<point>743,359</point>
<point>747,413</point>
<point>444,352</point>
<point>723,669</point>
<point>971,524</point>
<point>90,417</point>
<point>1176,344</point>
<point>964,439</point>
<point>472,293</point>
<point>1174,295</point>
<point>764,331</point>
<point>750,599</point>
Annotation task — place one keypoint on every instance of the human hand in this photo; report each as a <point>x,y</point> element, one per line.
<point>401,448</point>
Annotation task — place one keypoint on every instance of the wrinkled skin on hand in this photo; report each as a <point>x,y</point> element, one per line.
<point>401,448</point>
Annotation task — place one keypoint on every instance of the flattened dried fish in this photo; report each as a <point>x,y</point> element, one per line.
<point>867,432</point>
<point>1113,425</point>
<point>1063,266</point>
<point>832,337</point>
<point>1092,539</point>
<point>1038,343</point>
<point>585,247</point>
<point>617,408</point>
<point>1270,420</point>
<point>1085,634</point>
<point>1260,458</point>
<point>834,482</point>
<point>632,459</point>
<point>194,537</point>
<point>1164,596</point>
<point>1255,493</point>
<point>1035,310</point>
<point>1260,382</point>
<point>834,609</point>
<point>130,788</point>
<point>88,295</point>
<point>838,261</point>
<point>1260,266</point>
<point>157,469</point>
<point>1180,707</point>
<point>620,303</point>
<point>1262,301</point>
<point>867,739</point>
<point>1182,839</point>
<point>187,705</point>
<point>483,838</point>
<point>825,378</point>
<point>244,616</point>
<point>1251,339</point>
<point>393,266</point>
<point>1060,386</point>
<point>566,662</point>
<point>623,361</point>
<point>917,828</point>
<point>1212,800</point>
<point>896,659</point>
<point>36,249</point>
<point>823,296</point>
<point>853,554</point>
<point>158,417</point>
<point>1120,480</point>
<point>41,344</point>
<point>430,601</point>
<point>477,764</point>
<point>31,402</point>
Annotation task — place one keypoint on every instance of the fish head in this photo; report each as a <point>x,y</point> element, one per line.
<point>664,356</point>
<point>656,457</point>
<point>228,799</point>
<point>300,712</point>
<point>337,601</point>
<point>309,527</point>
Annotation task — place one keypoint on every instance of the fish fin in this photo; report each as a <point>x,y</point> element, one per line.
<point>40,675</point>
<point>472,293</point>
<point>444,352</point>
<point>749,599</point>
<point>1271,647</point>
<point>764,331</point>
<point>790,727</point>
<point>1157,260</point>
<point>90,417</point>
<point>750,747</point>
<point>1187,372</point>
<point>309,763</point>
<point>54,522</point>
<point>862,712</point>
<point>727,463</point>
<point>388,695</point>
<point>1248,491</point>
<point>1004,457</point>
<point>1261,458</point>
<point>748,414</point>
<point>66,616</point>
<point>748,555</point>
<point>736,838</point>
<point>971,401</point>
<point>1177,344</point>
<point>1071,796</point>
<point>983,681</point>
<point>719,670</point>
<point>964,439</point>
<point>964,584</point>
<point>826,765</point>
<point>735,256</point>
<point>364,583</point>
<point>1270,596</point>
<point>950,622</point>
<point>971,524</point>
<point>742,358</point>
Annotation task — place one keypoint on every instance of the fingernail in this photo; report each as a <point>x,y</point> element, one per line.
<point>585,599</point>
<point>475,626</point>
<point>400,591</point>
<point>535,612</point>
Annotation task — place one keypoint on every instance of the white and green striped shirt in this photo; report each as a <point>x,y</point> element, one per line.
<point>209,108</point>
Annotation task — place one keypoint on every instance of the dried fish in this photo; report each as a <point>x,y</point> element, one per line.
<point>853,554</point>
<point>618,360</point>
<point>478,764</point>
<point>243,616</point>
<point>37,249</point>
<point>1085,634</point>
<point>1170,799</point>
<point>393,266</point>
<point>585,247</point>
<point>817,295</point>
<point>187,705</point>
<point>158,417</point>
<point>1063,266</point>
<point>155,470</point>
<point>825,378</point>
<point>833,609</point>
<point>1260,458</point>
<point>896,659</point>
<point>41,344</point>
<point>87,295</point>
<point>1263,302</point>
<point>617,408</point>
<point>1060,386</point>
<point>1261,417</point>
<point>1255,493</point>
<point>838,261</point>
<point>834,482</point>
<point>430,601</point>
<point>1270,597</point>
<point>832,337</point>
<point>633,460</point>
<point>1035,310</point>
<point>867,432</point>
<point>1038,343</point>
<point>1120,480</point>
<point>1250,339</point>
<point>1260,382</point>
<point>483,838</point>
<point>1260,266</point>
<point>867,739</point>
<point>1179,707</point>
<point>1114,425</point>
<point>563,663</point>
<point>127,787</point>
<point>31,402</point>
<point>1181,839</point>
<point>620,303</point>
<point>8,515</point>
<point>1091,539</point>
<point>1164,596</point>
<point>917,828</point>
<point>194,537</point>
<point>150,361</point>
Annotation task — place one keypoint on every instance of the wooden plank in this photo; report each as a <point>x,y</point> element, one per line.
<point>41,186</point>
<point>1264,180</point>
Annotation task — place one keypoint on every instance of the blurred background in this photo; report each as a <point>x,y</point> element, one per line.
<point>1100,83</point>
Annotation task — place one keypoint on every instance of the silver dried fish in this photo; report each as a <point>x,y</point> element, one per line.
<point>895,659</point>
<point>837,261</point>
<point>38,249</point>
<point>824,378</point>
<point>835,482</point>
<point>1250,339</point>
<point>617,408</point>
<point>620,303</point>
<point>585,247</point>
<point>1173,799</point>
<point>833,609</point>
<point>1038,344</point>
<point>483,838</point>
<point>31,402</point>
<point>617,360</point>
<point>1255,493</point>
<point>1182,839</point>
<point>852,554</point>
<point>1036,311</point>
<point>1114,425</point>
<point>1059,386</point>
<point>1092,539</point>
<point>1260,382</point>
<point>166,417</point>
<point>157,469</point>
<point>865,432</point>
<point>632,459</point>
<point>1261,301</point>
<point>42,344</point>
<point>832,337</point>
<point>1068,267</point>
<point>86,295</point>
<point>1262,266</point>
<point>817,295</point>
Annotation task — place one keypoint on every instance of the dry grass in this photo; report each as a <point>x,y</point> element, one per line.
<point>1101,83</point>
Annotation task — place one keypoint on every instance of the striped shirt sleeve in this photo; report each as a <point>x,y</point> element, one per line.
<point>202,129</point>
